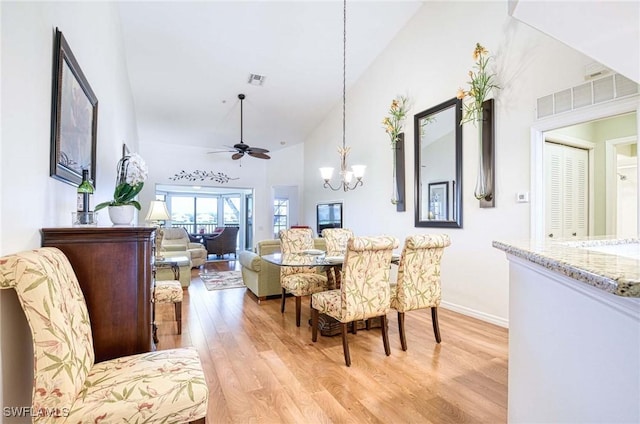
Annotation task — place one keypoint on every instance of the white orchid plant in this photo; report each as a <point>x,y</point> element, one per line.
<point>131,173</point>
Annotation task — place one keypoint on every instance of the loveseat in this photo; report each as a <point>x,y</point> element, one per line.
<point>260,276</point>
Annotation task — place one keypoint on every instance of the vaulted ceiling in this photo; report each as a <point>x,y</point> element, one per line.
<point>188,61</point>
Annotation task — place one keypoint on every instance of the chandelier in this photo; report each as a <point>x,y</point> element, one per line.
<point>357,171</point>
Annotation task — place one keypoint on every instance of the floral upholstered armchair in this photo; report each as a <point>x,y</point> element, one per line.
<point>166,386</point>
<point>418,284</point>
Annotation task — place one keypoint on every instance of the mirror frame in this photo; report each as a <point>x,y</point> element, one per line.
<point>456,220</point>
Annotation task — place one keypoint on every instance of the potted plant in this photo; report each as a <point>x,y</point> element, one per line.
<point>131,174</point>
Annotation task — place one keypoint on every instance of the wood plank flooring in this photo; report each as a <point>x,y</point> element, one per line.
<point>261,368</point>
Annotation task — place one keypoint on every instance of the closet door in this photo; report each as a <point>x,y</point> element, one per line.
<point>566,206</point>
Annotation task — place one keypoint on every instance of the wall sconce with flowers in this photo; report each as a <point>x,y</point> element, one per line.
<point>393,125</point>
<point>480,111</point>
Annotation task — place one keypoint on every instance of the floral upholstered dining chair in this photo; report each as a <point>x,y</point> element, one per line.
<point>364,292</point>
<point>336,239</point>
<point>418,283</point>
<point>68,387</point>
<point>299,281</point>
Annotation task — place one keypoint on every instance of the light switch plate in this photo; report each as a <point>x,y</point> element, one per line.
<point>522,197</point>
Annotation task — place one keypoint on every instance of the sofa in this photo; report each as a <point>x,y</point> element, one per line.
<point>260,276</point>
<point>172,240</point>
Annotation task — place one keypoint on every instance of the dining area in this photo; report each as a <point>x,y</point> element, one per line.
<point>349,283</point>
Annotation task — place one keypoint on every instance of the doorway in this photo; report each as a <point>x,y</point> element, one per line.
<point>567,193</point>
<point>602,129</point>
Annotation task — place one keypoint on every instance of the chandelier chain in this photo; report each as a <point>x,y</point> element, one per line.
<point>358,170</point>
<point>344,72</point>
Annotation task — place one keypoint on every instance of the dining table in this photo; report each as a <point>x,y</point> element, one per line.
<point>332,265</point>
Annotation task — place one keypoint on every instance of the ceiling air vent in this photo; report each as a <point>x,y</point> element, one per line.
<point>593,92</point>
<point>581,96</point>
<point>255,79</point>
<point>603,89</point>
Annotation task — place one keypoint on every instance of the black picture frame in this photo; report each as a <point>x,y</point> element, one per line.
<point>439,201</point>
<point>74,118</point>
<point>328,215</point>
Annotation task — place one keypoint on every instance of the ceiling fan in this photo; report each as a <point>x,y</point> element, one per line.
<point>240,149</point>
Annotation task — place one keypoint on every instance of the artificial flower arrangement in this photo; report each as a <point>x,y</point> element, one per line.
<point>481,84</point>
<point>394,122</point>
<point>131,174</point>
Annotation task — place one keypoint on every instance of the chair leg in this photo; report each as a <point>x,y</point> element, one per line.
<point>178,308</point>
<point>153,323</point>
<point>434,320</point>
<point>345,344</point>
<point>314,325</point>
<point>385,335</point>
<point>403,337</point>
<point>284,294</point>
<point>298,309</point>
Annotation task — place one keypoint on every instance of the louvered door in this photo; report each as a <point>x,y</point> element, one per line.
<point>566,191</point>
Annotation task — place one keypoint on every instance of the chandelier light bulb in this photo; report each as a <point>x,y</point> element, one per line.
<point>326,173</point>
<point>358,171</point>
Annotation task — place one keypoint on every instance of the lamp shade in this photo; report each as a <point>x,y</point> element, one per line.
<point>157,211</point>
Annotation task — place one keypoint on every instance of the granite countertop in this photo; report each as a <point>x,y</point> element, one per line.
<point>611,269</point>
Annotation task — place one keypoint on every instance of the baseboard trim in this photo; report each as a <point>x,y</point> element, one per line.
<point>502,322</point>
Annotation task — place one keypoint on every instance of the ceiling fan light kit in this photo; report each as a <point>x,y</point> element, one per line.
<point>357,171</point>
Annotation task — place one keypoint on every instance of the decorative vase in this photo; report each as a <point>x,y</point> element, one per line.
<point>121,215</point>
<point>394,184</point>
<point>480,191</point>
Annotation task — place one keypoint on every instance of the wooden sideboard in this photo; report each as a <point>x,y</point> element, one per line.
<point>114,269</point>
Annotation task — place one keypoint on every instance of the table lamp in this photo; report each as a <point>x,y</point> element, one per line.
<point>157,212</point>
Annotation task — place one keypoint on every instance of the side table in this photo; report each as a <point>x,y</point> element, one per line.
<point>164,266</point>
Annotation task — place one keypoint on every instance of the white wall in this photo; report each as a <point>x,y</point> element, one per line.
<point>428,60</point>
<point>30,198</point>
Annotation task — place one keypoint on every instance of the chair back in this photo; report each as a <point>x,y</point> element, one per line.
<point>365,289</point>
<point>418,284</point>
<point>56,311</point>
<point>336,239</point>
<point>295,240</point>
<point>225,242</point>
<point>175,236</point>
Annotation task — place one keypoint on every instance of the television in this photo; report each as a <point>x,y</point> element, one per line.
<point>328,215</point>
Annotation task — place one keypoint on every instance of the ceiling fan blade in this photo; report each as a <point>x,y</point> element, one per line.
<point>221,151</point>
<point>257,150</point>
<point>237,156</point>
<point>259,155</point>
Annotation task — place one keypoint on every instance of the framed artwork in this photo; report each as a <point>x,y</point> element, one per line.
<point>74,118</point>
<point>439,201</point>
<point>328,215</point>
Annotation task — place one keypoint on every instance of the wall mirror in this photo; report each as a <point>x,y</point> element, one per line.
<point>438,165</point>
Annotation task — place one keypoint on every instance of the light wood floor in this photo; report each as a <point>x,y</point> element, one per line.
<point>261,368</point>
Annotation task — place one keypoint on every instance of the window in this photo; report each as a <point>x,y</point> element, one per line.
<point>280,215</point>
